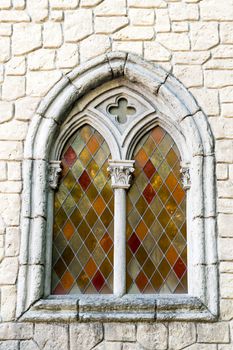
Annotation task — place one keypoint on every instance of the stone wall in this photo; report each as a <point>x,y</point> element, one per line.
<point>40,40</point>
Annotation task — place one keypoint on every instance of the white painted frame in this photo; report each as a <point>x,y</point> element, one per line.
<point>178,113</point>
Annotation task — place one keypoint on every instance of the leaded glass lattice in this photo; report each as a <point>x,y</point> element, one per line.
<point>83,219</point>
<point>156,225</point>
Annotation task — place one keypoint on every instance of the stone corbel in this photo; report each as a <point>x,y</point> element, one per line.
<point>121,173</point>
<point>185,176</point>
<point>54,173</point>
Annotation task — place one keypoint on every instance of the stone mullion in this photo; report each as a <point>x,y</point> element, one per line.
<point>121,180</point>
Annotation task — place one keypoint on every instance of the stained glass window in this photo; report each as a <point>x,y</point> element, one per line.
<point>156,226</point>
<point>83,218</point>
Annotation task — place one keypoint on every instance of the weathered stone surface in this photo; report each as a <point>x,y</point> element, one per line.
<point>26,38</point>
<point>68,56</point>
<point>213,333</point>
<point>132,47</point>
<point>108,346</point>
<point>25,107</point>
<point>10,206</point>
<point>18,83</point>
<point>183,12</point>
<point>226,33</point>
<point>190,76</point>
<point>152,336</point>
<point>13,130</point>
<point>202,347</point>
<point>38,10</point>
<point>134,33</point>
<point>72,30</point>
<point>105,25</point>
<point>215,10</point>
<point>8,303</point>
<point>5,49</point>
<point>155,52</point>
<point>64,4</point>
<point>204,35</point>
<point>93,46</point>
<point>86,336</point>
<point>16,66</point>
<point>9,345</point>
<point>52,35</point>
<point>174,41</point>
<point>141,17</point>
<point>6,111</point>
<point>181,335</point>
<point>39,83</point>
<point>147,3</point>
<point>42,59</point>
<point>111,8</point>
<point>28,345</point>
<point>208,100</point>
<point>14,16</point>
<point>50,337</point>
<point>11,266</point>
<point>226,309</point>
<point>120,332</point>
<point>16,331</point>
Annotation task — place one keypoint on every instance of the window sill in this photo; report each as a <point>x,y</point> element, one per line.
<point>130,308</point>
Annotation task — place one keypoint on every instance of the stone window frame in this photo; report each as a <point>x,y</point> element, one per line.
<point>180,115</point>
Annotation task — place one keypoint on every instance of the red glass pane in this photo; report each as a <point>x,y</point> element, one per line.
<point>156,229</point>
<point>83,220</point>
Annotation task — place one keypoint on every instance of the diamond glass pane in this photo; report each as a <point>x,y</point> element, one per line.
<point>83,218</point>
<point>156,224</point>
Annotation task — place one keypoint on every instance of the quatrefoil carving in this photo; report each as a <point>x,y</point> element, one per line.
<point>121,109</point>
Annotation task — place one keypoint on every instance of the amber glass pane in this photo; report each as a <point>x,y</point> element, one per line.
<point>83,218</point>
<point>156,227</point>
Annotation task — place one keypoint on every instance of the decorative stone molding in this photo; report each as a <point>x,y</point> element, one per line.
<point>185,177</point>
<point>54,173</point>
<point>121,173</point>
<point>174,109</point>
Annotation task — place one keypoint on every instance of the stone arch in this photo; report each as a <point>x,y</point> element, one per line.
<point>180,109</point>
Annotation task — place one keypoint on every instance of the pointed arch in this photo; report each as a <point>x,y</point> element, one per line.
<point>180,109</point>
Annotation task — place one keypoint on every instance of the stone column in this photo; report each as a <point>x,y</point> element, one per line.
<point>121,175</point>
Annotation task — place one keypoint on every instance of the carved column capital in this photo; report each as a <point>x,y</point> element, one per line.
<point>54,173</point>
<point>121,173</point>
<point>185,176</point>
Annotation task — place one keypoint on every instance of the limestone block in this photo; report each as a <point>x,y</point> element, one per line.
<point>105,25</point>
<point>9,345</point>
<point>226,267</point>
<point>127,46</point>
<point>226,309</point>
<point>56,15</point>
<point>132,346</point>
<point>52,35</point>
<point>14,171</point>
<point>38,10</point>
<point>19,4</point>
<point>5,29</point>
<point>5,49</point>
<point>181,335</point>
<point>85,335</point>
<point>67,56</point>
<point>180,27</point>
<point>10,150</point>
<point>216,10</point>
<point>147,3</point>
<point>174,41</point>
<point>13,130</point>
<point>204,35</point>
<point>141,17</point>
<point>8,303</point>
<point>16,331</point>
<point>134,33</point>
<point>226,94</point>
<point>9,93</point>
<point>14,16</point>
<point>120,332</point>
<point>202,347</point>
<point>5,4</point>
<point>10,206</point>
<point>152,336</point>
<point>6,111</point>
<point>190,76</point>
<point>225,248</point>
<point>8,274</point>
<point>226,33</point>
<point>225,347</point>
<point>16,66</point>
<point>218,78</point>
<point>90,3</point>
<point>183,12</point>
<point>162,23</point>
<point>93,46</point>
<point>42,59</point>
<point>39,83</point>
<point>224,151</point>
<point>225,205</point>
<point>222,174</point>
<point>153,51</point>
<point>77,25</point>
<point>223,51</point>
<point>227,110</point>
<point>213,332</point>
<point>10,187</point>
<point>108,346</point>
<point>111,8</point>
<point>26,38</point>
<point>3,176</point>
<point>29,345</point>
<point>64,4</point>
<point>207,100</point>
<point>12,241</point>
<point>1,73</point>
<point>51,336</point>
<point>25,107</point>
